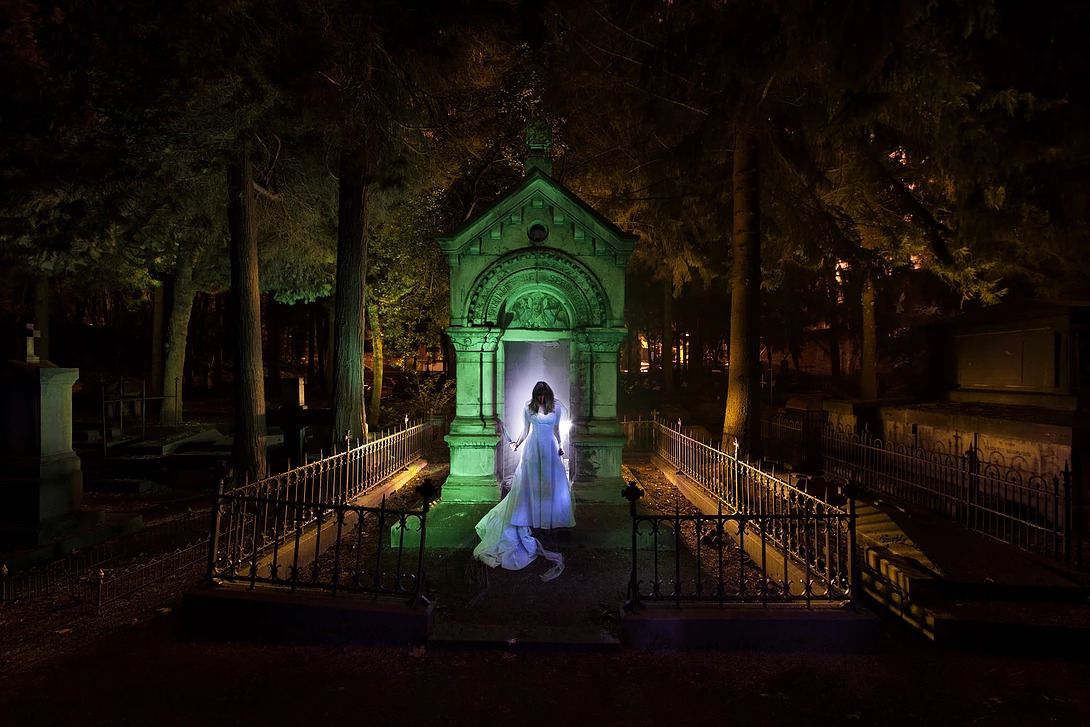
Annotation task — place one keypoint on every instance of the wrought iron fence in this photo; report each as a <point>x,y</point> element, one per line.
<point>640,434</point>
<point>62,575</point>
<point>273,530</point>
<point>362,466</point>
<point>103,587</point>
<point>788,530</point>
<point>1031,511</point>
<point>794,437</point>
<point>261,539</point>
<point>124,396</point>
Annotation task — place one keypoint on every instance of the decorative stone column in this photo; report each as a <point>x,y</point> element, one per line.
<point>598,438</point>
<point>473,437</point>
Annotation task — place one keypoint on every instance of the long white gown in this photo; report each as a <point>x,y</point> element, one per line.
<point>540,497</point>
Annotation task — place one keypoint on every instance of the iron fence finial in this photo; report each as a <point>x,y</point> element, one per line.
<point>632,492</point>
<point>428,490</point>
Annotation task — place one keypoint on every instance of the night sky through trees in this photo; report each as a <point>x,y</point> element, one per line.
<point>932,154</point>
<point>836,206</point>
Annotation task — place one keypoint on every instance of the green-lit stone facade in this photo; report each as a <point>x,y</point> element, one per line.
<point>540,274</point>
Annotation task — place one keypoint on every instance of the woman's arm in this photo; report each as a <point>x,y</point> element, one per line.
<point>525,428</point>
<point>556,430</point>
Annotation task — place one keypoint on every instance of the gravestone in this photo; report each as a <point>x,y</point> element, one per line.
<point>292,417</point>
<point>41,484</point>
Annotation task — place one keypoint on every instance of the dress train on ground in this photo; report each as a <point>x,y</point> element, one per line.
<point>540,497</point>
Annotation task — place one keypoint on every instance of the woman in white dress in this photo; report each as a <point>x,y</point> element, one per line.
<point>540,495</point>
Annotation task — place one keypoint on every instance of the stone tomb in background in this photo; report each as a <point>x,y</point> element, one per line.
<point>41,483</point>
<point>1021,352</point>
<point>1011,382</point>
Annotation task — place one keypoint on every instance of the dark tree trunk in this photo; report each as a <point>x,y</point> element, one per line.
<point>312,340</point>
<point>794,345</point>
<point>249,449</point>
<point>196,343</point>
<point>868,367</point>
<point>182,292</point>
<point>696,367</point>
<point>667,337</point>
<point>351,297</point>
<point>321,336</point>
<point>834,351</point>
<point>217,304</point>
<point>158,314</point>
<point>377,366</point>
<point>43,349</point>
<point>740,419</point>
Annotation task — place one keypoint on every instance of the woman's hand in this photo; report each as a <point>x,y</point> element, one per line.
<point>515,446</point>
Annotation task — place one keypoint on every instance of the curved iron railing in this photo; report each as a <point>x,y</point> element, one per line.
<point>788,531</point>
<point>277,530</point>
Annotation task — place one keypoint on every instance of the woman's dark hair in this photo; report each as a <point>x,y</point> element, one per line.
<point>542,388</point>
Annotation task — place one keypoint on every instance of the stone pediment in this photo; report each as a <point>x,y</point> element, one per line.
<point>536,288</point>
<point>562,220</point>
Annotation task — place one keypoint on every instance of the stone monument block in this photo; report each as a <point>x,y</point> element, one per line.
<point>41,485</point>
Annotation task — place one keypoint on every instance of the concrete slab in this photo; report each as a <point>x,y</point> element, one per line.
<point>450,525</point>
<point>169,444</point>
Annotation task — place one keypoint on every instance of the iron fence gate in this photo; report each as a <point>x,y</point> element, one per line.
<point>277,530</point>
<point>788,531</point>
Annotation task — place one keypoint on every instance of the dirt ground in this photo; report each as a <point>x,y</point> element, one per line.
<point>61,664</point>
<point>138,671</point>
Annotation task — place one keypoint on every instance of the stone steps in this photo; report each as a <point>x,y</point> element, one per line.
<point>1033,608</point>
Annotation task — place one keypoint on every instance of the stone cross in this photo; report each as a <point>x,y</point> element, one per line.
<point>31,335</point>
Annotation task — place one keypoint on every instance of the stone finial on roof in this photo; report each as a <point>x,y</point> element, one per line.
<point>538,139</point>
<point>539,136</point>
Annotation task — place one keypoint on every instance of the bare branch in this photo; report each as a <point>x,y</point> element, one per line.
<point>265,192</point>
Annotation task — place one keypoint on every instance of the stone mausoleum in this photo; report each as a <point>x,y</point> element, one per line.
<point>537,293</point>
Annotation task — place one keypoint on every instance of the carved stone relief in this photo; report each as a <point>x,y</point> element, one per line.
<point>539,310</point>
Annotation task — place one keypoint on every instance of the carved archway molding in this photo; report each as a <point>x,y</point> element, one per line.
<point>505,280</point>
